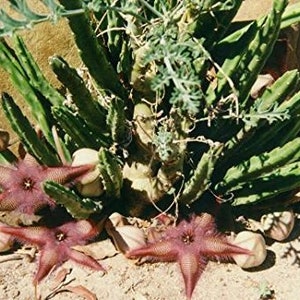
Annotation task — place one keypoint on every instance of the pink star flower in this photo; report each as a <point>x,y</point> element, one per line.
<point>55,244</point>
<point>22,184</point>
<point>191,244</point>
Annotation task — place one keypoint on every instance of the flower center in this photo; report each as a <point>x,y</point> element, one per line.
<point>187,238</point>
<point>27,184</point>
<point>60,236</point>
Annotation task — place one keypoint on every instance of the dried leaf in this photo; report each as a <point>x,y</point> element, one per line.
<point>261,83</point>
<point>116,220</point>
<point>82,291</point>
<point>4,140</point>
<point>98,250</point>
<point>60,277</point>
<point>125,237</point>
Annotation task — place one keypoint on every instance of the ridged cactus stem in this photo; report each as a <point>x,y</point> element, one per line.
<point>216,15</point>
<point>33,98</point>
<point>111,173</point>
<point>290,16</point>
<point>243,66</point>
<point>261,164</point>
<point>78,129</point>
<point>284,179</point>
<point>92,52</point>
<point>201,178</point>
<point>117,122</point>
<point>77,207</point>
<point>27,134</point>
<point>261,47</point>
<point>7,157</point>
<point>271,98</point>
<point>34,74</point>
<point>88,108</point>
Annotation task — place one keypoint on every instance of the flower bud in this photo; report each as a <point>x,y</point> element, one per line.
<point>255,243</point>
<point>278,225</point>
<point>90,184</point>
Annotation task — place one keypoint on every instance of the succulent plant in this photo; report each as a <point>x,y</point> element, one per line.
<point>56,244</point>
<point>163,125</point>
<point>253,242</point>
<point>192,243</point>
<point>167,106</point>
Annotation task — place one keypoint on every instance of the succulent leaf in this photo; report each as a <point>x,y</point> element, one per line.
<point>111,173</point>
<point>77,207</point>
<point>27,134</point>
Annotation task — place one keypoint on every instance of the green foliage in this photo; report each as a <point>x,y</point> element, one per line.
<point>166,101</point>
<point>27,134</point>
<point>174,59</point>
<point>78,207</point>
<point>165,147</point>
<point>111,173</point>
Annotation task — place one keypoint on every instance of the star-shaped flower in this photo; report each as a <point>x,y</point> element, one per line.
<point>191,244</point>
<point>56,244</point>
<point>22,184</point>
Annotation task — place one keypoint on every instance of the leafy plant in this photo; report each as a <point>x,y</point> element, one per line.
<point>159,59</point>
<point>170,111</point>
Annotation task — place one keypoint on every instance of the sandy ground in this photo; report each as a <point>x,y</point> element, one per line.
<point>125,280</point>
<point>160,281</point>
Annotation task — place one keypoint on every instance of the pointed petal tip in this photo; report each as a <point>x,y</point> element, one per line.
<point>66,174</point>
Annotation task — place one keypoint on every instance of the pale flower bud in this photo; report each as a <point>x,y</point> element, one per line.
<point>90,184</point>
<point>255,243</point>
<point>278,225</point>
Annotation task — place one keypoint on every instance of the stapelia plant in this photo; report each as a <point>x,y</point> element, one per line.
<point>56,244</point>
<point>191,243</point>
<point>22,184</point>
<point>166,103</point>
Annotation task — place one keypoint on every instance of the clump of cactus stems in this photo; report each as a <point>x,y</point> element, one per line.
<point>170,123</point>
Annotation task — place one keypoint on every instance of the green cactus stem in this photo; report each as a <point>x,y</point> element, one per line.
<point>248,65</point>
<point>7,157</point>
<point>77,207</point>
<point>26,133</point>
<point>258,165</point>
<point>111,173</point>
<point>238,47</point>
<point>200,181</point>
<point>290,16</point>
<point>261,46</point>
<point>92,52</point>
<point>115,38</point>
<point>78,129</point>
<point>270,101</point>
<point>117,122</point>
<point>285,179</point>
<point>34,74</point>
<point>88,108</point>
<point>209,20</point>
<point>265,137</point>
<point>34,98</point>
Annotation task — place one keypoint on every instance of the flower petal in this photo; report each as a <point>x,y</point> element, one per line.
<point>191,268</point>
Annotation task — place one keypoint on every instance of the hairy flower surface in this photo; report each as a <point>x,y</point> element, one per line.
<point>191,244</point>
<point>22,184</point>
<point>56,244</point>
